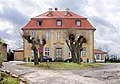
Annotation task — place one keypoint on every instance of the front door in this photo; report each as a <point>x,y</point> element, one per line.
<point>58,54</point>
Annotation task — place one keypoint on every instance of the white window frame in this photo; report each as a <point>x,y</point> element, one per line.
<point>59,22</point>
<point>83,52</point>
<point>69,52</point>
<point>59,35</point>
<point>47,35</point>
<point>46,53</point>
<point>39,22</point>
<point>97,57</point>
<point>33,33</point>
<point>84,34</point>
<point>78,23</point>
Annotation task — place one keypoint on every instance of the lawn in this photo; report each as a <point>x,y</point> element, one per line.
<point>8,79</point>
<point>62,65</point>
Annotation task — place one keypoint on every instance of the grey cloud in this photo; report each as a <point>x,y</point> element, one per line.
<point>12,15</point>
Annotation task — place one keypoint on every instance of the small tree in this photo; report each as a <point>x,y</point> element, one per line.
<point>75,44</point>
<point>1,43</point>
<point>35,44</point>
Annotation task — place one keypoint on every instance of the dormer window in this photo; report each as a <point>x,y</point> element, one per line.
<point>49,14</point>
<point>59,22</point>
<point>68,14</point>
<point>39,22</point>
<point>78,23</point>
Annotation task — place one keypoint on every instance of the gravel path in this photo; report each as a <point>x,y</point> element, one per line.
<point>108,74</point>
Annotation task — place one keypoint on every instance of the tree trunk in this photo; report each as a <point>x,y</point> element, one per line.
<point>73,53</point>
<point>73,56</point>
<point>41,57</point>
<point>35,57</point>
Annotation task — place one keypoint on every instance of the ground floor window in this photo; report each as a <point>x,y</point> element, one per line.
<point>84,52</point>
<point>97,57</point>
<point>69,52</point>
<point>46,51</point>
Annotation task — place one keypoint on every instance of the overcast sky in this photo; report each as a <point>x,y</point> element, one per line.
<point>104,15</point>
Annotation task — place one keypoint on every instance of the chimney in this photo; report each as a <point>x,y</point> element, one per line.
<point>67,9</point>
<point>56,9</point>
<point>50,9</point>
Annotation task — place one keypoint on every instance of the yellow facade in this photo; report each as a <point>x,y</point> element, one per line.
<point>52,43</point>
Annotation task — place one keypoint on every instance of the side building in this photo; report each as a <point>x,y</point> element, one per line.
<point>53,25</point>
<point>3,50</point>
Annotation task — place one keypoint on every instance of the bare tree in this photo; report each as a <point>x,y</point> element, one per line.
<point>35,44</point>
<point>75,44</point>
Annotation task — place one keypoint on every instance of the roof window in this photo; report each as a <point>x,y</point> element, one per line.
<point>49,14</point>
<point>59,22</point>
<point>39,22</point>
<point>68,14</point>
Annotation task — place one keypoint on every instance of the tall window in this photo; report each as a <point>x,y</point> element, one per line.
<point>47,35</point>
<point>39,22</point>
<point>78,22</point>
<point>33,34</point>
<point>69,52</point>
<point>46,51</point>
<point>97,56</point>
<point>84,52</point>
<point>59,22</point>
<point>84,34</point>
<point>58,35</point>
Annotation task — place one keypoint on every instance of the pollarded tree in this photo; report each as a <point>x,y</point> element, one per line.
<point>75,44</point>
<point>35,44</point>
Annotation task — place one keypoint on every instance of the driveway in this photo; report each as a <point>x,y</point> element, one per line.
<point>107,74</point>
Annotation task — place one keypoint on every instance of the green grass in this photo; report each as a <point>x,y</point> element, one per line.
<point>62,65</point>
<point>8,79</point>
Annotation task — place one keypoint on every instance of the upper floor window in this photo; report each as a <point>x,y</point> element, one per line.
<point>33,34</point>
<point>39,22</point>
<point>59,22</point>
<point>78,22</point>
<point>47,35</point>
<point>59,35</point>
<point>84,52</point>
<point>84,34</point>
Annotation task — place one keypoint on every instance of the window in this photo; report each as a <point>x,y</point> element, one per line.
<point>78,23</point>
<point>97,57</point>
<point>47,35</point>
<point>69,52</point>
<point>58,35</point>
<point>84,52</point>
<point>32,53</point>
<point>46,51</point>
<point>84,34</point>
<point>68,14</point>
<point>39,22</point>
<point>59,22</point>
<point>33,34</point>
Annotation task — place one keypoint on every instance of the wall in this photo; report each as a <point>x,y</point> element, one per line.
<point>18,56</point>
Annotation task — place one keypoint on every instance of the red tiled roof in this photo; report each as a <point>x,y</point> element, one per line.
<point>99,52</point>
<point>49,21</point>
<point>58,14</point>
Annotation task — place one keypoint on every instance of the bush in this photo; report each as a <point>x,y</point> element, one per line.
<point>0,60</point>
<point>7,79</point>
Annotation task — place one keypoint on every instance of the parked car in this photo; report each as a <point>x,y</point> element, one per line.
<point>45,59</point>
<point>70,60</point>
